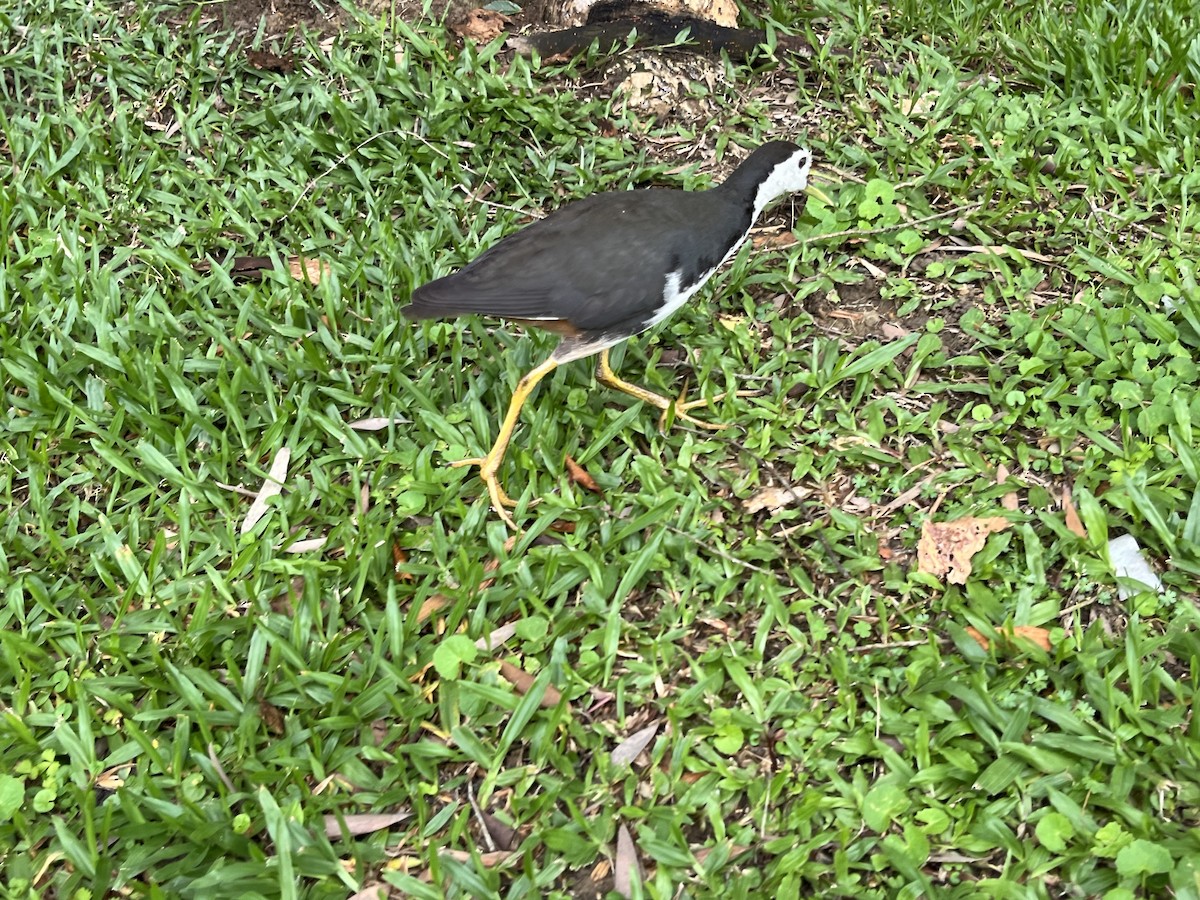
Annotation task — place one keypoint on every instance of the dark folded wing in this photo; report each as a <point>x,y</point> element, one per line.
<point>598,263</point>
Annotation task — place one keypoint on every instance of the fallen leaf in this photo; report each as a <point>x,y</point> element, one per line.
<point>1039,636</point>
<point>432,604</point>
<point>497,638</point>
<point>241,268</point>
<point>285,603</point>
<point>631,748</point>
<point>270,62</point>
<point>372,891</point>
<point>400,558</point>
<point>494,858</point>
<point>776,241</point>
<point>503,836</point>
<point>522,681</point>
<point>873,270</point>
<point>626,868</point>
<point>1074,523</point>
<point>307,545</point>
<point>270,487</point>
<point>1009,501</point>
<point>363,823</point>
<point>733,850</point>
<point>945,548</point>
<point>731,323</point>
<point>114,778</point>
<point>272,717</point>
<point>481,25</point>
<point>775,497</point>
<point>310,270</point>
<point>378,423</point>
<point>580,476</point>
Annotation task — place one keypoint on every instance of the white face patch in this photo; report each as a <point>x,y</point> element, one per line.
<point>789,176</point>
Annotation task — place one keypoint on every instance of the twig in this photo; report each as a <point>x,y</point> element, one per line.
<point>531,211</point>
<point>212,758</point>
<point>855,232</point>
<point>345,156</point>
<point>483,826</point>
<point>721,553</point>
<point>866,648</point>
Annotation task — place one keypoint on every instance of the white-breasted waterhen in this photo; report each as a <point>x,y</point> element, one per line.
<point>604,268</point>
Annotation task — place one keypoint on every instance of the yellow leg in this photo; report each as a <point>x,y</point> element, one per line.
<point>606,375</point>
<point>489,465</point>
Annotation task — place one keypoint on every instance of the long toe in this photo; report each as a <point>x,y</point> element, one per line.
<point>699,404</point>
<point>682,416</point>
<point>500,500</point>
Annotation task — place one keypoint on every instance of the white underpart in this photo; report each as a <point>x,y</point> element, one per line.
<point>789,176</point>
<point>675,294</point>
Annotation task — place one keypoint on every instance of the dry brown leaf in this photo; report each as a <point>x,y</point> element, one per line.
<point>240,268</point>
<point>523,682</point>
<point>481,25</point>
<point>114,778</point>
<point>1039,636</point>
<point>775,497</point>
<point>270,62</point>
<point>309,270</point>
<point>503,836</point>
<point>270,487</point>
<point>945,548</point>
<point>272,716</point>
<point>373,891</point>
<point>629,749</point>
<point>494,858</point>
<point>363,823</point>
<point>702,853</point>
<point>432,604</point>
<point>625,868</point>
<point>580,476</point>
<point>400,558</point>
<point>286,602</point>
<point>1074,523</point>
<point>776,241</point>
<point>1009,501</point>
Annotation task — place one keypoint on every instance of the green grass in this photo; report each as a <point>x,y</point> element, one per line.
<point>186,707</point>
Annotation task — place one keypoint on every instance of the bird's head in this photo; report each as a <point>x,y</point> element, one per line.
<point>785,168</point>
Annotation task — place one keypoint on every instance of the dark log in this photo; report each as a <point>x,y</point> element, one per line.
<point>656,29</point>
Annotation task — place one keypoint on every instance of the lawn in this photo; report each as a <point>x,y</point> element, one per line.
<point>723,672</point>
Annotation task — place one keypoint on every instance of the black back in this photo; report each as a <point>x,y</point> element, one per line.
<point>600,264</point>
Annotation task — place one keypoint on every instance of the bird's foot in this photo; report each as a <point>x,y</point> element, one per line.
<point>679,410</point>
<point>487,474</point>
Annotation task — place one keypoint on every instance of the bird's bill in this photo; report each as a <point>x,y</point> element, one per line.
<point>819,194</point>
